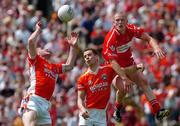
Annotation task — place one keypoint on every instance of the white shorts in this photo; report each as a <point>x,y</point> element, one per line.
<point>97,117</point>
<point>41,106</point>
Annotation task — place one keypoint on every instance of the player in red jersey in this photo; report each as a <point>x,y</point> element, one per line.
<point>118,53</point>
<point>43,75</point>
<point>94,88</point>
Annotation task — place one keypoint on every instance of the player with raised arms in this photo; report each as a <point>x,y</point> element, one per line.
<point>43,74</point>
<point>117,52</point>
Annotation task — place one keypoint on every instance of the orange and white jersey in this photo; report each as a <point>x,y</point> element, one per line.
<point>97,86</point>
<point>43,76</point>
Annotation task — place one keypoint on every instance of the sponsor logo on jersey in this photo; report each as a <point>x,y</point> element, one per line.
<point>111,54</point>
<point>99,87</point>
<point>49,73</point>
<point>123,48</point>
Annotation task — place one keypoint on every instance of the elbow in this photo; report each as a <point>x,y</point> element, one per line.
<point>147,38</point>
<point>30,41</point>
<point>68,67</point>
<point>113,63</point>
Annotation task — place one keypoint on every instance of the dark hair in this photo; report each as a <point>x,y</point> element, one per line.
<point>91,49</point>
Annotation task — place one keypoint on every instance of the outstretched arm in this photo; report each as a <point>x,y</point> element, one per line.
<point>32,41</point>
<point>81,104</point>
<point>157,50</point>
<point>72,40</point>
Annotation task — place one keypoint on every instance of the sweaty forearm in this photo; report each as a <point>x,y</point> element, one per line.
<point>32,43</point>
<point>81,101</point>
<point>118,69</point>
<point>34,36</point>
<point>71,59</point>
<point>145,37</point>
<point>81,105</point>
<point>153,44</point>
<point>72,56</point>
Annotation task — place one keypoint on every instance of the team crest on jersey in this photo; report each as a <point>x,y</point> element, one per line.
<point>89,82</point>
<point>104,77</point>
<point>112,48</point>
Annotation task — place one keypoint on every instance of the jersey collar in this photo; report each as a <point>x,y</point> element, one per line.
<point>93,72</point>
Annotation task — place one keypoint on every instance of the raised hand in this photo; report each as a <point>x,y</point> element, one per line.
<point>39,26</point>
<point>72,40</point>
<point>159,53</point>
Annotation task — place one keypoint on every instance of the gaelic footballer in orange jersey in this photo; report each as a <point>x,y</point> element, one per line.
<point>43,74</point>
<point>97,86</point>
<point>94,88</point>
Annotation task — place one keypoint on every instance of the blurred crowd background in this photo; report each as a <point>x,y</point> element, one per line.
<point>92,20</point>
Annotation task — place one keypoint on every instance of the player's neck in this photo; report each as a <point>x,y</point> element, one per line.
<point>46,58</point>
<point>94,68</point>
<point>122,31</point>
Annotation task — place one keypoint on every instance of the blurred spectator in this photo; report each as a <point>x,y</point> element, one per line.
<point>129,117</point>
<point>93,18</point>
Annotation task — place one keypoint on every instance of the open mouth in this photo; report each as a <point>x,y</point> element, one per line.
<point>120,26</point>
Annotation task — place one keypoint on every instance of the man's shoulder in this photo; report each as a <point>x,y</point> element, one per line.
<point>83,77</point>
<point>134,30</point>
<point>105,67</point>
<point>131,26</point>
<point>34,60</point>
<point>84,74</point>
<point>113,32</point>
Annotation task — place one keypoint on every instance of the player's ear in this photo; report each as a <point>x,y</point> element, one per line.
<point>113,21</point>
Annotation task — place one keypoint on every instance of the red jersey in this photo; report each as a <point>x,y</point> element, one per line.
<point>97,86</point>
<point>43,76</point>
<point>117,45</point>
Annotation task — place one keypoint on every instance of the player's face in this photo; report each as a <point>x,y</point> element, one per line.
<point>46,53</point>
<point>120,21</point>
<point>90,58</point>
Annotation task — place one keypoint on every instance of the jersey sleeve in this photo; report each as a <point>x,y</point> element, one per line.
<point>31,62</point>
<point>57,68</point>
<point>80,83</point>
<point>109,50</point>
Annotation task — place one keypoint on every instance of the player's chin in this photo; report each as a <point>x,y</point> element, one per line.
<point>88,63</point>
<point>119,27</point>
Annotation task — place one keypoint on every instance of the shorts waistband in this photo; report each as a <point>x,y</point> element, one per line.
<point>94,109</point>
<point>43,99</point>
